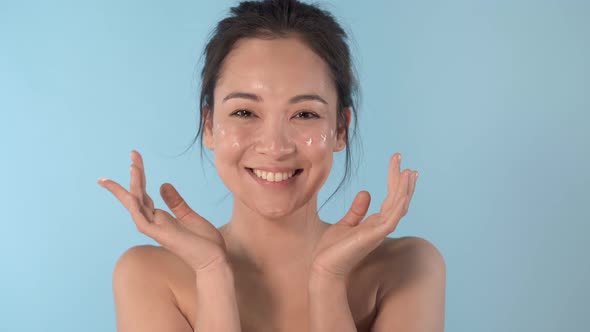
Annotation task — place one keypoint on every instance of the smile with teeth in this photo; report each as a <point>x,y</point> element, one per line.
<point>274,176</point>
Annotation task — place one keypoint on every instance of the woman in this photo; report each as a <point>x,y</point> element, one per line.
<point>276,104</point>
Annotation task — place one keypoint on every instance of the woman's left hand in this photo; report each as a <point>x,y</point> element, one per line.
<point>344,244</point>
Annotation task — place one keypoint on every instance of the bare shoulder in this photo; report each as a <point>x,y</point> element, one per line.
<point>157,265</point>
<point>410,245</point>
<point>144,279</point>
<point>164,264</point>
<point>407,259</point>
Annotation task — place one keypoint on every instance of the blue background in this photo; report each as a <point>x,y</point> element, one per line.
<point>488,100</point>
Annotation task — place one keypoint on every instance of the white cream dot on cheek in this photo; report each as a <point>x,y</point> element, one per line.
<point>226,136</point>
<point>312,135</point>
<point>220,130</point>
<point>322,142</point>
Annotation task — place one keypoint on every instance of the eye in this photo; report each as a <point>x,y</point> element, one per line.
<point>307,115</point>
<point>242,113</point>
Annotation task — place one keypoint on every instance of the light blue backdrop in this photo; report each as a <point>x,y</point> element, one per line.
<point>488,100</point>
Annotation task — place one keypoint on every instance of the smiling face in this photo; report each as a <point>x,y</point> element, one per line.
<point>275,117</point>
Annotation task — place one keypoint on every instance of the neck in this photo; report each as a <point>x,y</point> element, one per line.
<point>264,245</point>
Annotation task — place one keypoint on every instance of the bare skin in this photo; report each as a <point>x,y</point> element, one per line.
<point>279,303</point>
<point>270,242</point>
<point>271,235</point>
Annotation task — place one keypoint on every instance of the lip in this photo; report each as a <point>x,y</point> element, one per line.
<point>275,169</point>
<point>275,185</point>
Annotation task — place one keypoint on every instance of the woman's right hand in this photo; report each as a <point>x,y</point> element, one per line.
<point>190,236</point>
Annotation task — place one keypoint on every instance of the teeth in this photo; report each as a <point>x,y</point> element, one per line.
<point>273,177</point>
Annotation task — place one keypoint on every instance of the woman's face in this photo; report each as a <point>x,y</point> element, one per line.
<point>274,113</point>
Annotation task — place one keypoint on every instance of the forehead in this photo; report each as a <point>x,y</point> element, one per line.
<point>275,68</point>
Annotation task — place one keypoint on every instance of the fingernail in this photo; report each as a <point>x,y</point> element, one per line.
<point>416,174</point>
<point>399,157</point>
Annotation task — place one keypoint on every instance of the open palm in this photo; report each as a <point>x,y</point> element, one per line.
<point>344,244</point>
<point>188,235</point>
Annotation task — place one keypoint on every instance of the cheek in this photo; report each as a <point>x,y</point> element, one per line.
<point>314,138</point>
<point>317,138</point>
<point>229,139</point>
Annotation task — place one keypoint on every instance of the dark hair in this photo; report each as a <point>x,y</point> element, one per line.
<point>271,19</point>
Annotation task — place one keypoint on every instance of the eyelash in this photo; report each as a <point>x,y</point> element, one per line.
<point>313,114</point>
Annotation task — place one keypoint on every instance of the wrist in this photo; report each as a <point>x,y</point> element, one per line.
<point>320,275</point>
<point>325,283</point>
<point>217,307</point>
<point>217,266</point>
<point>218,279</point>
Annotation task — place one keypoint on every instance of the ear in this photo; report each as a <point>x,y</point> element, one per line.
<point>208,140</point>
<point>341,132</point>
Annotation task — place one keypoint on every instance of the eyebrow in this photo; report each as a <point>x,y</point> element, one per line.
<point>293,100</point>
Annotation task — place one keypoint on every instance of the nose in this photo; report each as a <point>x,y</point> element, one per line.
<point>275,140</point>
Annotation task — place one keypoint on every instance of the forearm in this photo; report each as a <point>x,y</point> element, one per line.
<point>328,305</point>
<point>217,308</point>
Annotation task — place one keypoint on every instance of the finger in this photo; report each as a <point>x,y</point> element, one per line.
<point>387,203</point>
<point>135,182</point>
<point>358,209</point>
<point>394,172</point>
<point>402,189</point>
<point>117,190</point>
<point>149,202</point>
<point>177,204</point>
<point>414,178</point>
<point>394,196</point>
<point>138,159</point>
<point>392,219</point>
<point>130,202</point>
<point>393,180</point>
<point>138,162</point>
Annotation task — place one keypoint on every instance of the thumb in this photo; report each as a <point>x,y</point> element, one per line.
<point>358,209</point>
<point>176,203</point>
